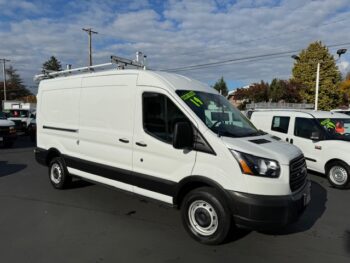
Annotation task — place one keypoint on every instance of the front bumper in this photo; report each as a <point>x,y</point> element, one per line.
<point>8,137</point>
<point>260,212</point>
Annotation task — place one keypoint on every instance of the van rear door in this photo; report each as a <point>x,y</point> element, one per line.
<point>157,165</point>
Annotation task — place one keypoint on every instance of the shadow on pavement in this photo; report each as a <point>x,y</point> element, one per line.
<point>347,242</point>
<point>7,169</point>
<point>79,183</point>
<point>313,212</point>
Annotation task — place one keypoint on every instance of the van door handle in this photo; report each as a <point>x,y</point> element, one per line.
<point>287,140</point>
<point>142,144</point>
<point>291,141</point>
<point>124,140</point>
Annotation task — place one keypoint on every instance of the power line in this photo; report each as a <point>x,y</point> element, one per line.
<point>230,61</point>
<point>189,53</point>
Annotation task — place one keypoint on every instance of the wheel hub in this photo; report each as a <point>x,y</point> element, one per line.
<point>338,175</point>
<point>56,173</point>
<point>202,218</point>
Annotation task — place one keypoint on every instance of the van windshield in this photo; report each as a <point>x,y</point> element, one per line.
<point>218,114</point>
<point>336,128</point>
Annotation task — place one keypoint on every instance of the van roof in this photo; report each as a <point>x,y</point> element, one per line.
<point>311,113</point>
<point>145,77</point>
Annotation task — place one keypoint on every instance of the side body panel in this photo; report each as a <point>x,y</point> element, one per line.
<point>106,123</point>
<point>58,115</point>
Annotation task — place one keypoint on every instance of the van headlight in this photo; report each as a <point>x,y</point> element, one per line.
<point>259,166</point>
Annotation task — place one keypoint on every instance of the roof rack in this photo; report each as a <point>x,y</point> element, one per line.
<point>139,62</point>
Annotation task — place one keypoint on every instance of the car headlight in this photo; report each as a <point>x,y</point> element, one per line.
<point>258,166</point>
<point>12,129</point>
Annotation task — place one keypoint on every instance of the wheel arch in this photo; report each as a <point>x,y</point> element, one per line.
<point>52,153</point>
<point>329,162</point>
<point>192,182</point>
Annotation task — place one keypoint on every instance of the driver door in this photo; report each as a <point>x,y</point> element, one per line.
<point>157,165</point>
<point>302,131</point>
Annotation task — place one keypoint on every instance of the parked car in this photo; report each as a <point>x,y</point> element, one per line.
<point>324,137</point>
<point>21,118</point>
<point>344,111</point>
<point>7,131</point>
<point>173,139</point>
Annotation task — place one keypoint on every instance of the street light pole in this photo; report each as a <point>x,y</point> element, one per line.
<point>317,85</point>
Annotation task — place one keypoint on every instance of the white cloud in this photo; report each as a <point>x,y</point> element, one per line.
<point>184,33</point>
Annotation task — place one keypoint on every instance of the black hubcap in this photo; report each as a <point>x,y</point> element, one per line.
<point>202,217</point>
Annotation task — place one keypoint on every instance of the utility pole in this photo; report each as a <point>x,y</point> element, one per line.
<point>90,32</point>
<point>4,60</point>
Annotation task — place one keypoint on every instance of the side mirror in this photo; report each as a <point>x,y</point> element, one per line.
<point>315,136</point>
<point>183,135</point>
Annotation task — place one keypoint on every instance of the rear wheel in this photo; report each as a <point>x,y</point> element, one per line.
<point>58,173</point>
<point>338,174</point>
<point>205,216</point>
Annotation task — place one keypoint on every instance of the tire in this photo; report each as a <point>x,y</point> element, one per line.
<point>58,173</point>
<point>205,216</point>
<point>338,174</point>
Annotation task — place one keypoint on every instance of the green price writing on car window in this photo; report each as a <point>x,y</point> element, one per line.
<point>192,97</point>
<point>328,124</point>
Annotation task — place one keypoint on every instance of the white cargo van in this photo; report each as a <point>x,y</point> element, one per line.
<point>173,139</point>
<point>324,138</point>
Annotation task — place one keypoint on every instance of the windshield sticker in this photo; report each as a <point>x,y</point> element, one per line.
<point>192,97</point>
<point>328,124</point>
<point>188,95</point>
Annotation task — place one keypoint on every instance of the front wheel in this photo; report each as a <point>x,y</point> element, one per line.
<point>205,216</point>
<point>338,174</point>
<point>58,173</point>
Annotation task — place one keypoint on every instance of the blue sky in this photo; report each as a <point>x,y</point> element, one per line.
<point>173,34</point>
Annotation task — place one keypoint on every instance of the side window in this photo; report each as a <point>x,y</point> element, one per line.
<point>304,127</point>
<point>160,115</point>
<point>280,124</point>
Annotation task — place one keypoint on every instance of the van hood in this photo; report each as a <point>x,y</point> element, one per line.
<point>264,146</point>
<point>6,123</point>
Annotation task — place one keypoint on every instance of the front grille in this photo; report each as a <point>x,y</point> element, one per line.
<point>298,173</point>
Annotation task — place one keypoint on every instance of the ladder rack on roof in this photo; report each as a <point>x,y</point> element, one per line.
<point>115,60</point>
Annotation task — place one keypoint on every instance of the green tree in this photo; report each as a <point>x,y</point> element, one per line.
<point>52,64</point>
<point>304,72</point>
<point>277,90</point>
<point>14,86</point>
<point>221,87</point>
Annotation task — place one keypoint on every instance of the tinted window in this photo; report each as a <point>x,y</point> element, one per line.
<point>280,124</point>
<point>160,115</point>
<point>305,127</point>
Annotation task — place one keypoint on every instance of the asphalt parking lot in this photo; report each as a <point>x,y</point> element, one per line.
<point>91,223</point>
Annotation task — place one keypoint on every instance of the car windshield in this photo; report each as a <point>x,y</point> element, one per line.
<point>18,114</point>
<point>337,128</point>
<point>218,114</point>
